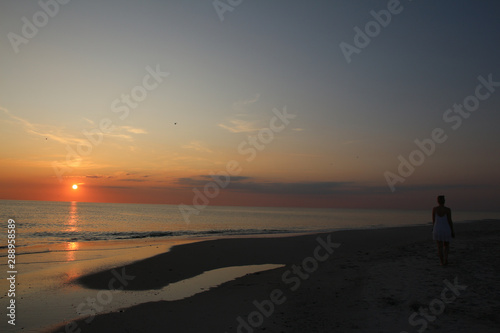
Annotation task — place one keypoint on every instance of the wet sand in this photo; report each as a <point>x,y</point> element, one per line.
<point>382,280</point>
<point>45,288</point>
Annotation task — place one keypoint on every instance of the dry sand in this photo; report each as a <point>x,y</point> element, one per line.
<point>374,281</point>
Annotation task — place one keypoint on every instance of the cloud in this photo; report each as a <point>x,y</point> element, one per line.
<point>90,121</point>
<point>136,177</point>
<point>57,133</point>
<point>132,180</point>
<point>302,188</point>
<point>247,184</point>
<point>233,178</point>
<point>115,187</point>
<point>44,131</point>
<point>239,106</point>
<point>120,136</point>
<point>202,180</point>
<point>240,126</point>
<point>438,188</point>
<point>133,130</point>
<point>198,146</point>
<point>316,188</point>
<point>239,123</point>
<point>123,133</point>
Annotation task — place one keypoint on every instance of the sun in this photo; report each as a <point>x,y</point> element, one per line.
<point>74,186</point>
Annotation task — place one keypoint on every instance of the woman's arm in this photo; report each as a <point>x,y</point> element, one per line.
<point>433,215</point>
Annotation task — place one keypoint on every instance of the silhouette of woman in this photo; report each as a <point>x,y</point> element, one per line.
<point>442,229</point>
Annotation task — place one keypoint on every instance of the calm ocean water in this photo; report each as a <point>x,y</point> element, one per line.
<point>42,222</point>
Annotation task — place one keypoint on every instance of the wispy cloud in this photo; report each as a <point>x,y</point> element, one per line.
<point>134,130</point>
<point>132,180</point>
<point>240,106</point>
<point>124,133</point>
<point>198,146</point>
<point>239,122</point>
<point>119,136</point>
<point>240,126</point>
<point>90,121</point>
<point>44,131</point>
<point>57,133</point>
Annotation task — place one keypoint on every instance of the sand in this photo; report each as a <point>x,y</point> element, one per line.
<point>382,280</point>
<point>45,290</point>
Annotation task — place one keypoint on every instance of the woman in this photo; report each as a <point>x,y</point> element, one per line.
<point>442,230</point>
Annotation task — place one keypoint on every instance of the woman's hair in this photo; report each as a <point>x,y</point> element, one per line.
<point>440,199</point>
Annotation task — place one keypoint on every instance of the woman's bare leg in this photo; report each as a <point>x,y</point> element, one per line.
<point>446,246</point>
<point>440,251</point>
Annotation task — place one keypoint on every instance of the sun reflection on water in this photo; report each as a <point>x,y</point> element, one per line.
<point>71,248</point>
<point>71,226</point>
<point>72,222</point>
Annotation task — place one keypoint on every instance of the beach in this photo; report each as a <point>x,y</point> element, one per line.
<point>249,166</point>
<point>371,280</point>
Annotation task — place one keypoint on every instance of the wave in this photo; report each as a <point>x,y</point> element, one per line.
<point>115,235</point>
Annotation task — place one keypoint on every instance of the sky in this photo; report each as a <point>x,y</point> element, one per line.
<point>349,104</point>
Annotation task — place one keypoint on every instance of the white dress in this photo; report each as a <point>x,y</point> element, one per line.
<point>441,231</point>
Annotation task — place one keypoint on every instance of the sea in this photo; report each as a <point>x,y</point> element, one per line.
<point>46,222</point>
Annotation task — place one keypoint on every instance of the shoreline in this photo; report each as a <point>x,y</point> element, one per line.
<point>380,275</point>
<point>46,292</point>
